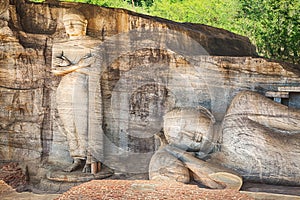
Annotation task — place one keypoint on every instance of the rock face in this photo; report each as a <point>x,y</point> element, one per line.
<point>145,67</point>
<point>260,139</point>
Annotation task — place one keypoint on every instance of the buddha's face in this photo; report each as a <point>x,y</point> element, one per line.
<point>189,130</point>
<point>75,25</point>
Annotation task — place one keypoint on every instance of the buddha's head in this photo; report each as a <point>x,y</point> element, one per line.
<point>75,24</point>
<point>190,129</point>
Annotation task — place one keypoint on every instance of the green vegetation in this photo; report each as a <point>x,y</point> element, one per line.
<point>272,25</point>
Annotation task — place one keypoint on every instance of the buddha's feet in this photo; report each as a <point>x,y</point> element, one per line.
<point>77,163</point>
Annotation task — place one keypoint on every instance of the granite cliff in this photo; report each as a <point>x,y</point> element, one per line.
<point>145,66</point>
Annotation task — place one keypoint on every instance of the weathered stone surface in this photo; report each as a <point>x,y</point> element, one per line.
<point>260,140</point>
<point>77,176</point>
<point>189,132</point>
<point>165,167</point>
<point>21,84</point>
<point>148,66</point>
<point>38,19</point>
<point>78,98</point>
<point>4,6</point>
<point>210,175</point>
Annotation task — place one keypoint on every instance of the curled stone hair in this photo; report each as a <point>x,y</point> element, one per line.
<point>75,14</point>
<point>179,112</point>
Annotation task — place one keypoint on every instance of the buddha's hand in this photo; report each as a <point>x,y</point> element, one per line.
<point>65,66</point>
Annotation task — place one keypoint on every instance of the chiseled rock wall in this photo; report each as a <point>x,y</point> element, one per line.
<point>22,78</point>
<point>187,64</point>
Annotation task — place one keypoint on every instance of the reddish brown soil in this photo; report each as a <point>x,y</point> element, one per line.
<point>143,189</point>
<point>12,174</point>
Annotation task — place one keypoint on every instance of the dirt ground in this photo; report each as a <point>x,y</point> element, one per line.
<point>144,189</point>
<point>13,181</point>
